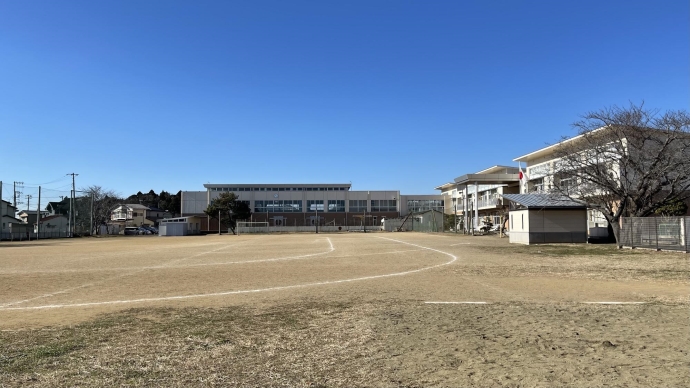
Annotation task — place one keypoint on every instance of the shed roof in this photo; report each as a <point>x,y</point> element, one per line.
<point>544,201</point>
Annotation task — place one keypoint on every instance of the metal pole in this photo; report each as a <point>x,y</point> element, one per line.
<point>316,207</point>
<point>364,220</point>
<point>656,232</point>
<point>219,222</point>
<point>38,212</point>
<point>91,232</point>
<point>74,199</point>
<point>455,215</point>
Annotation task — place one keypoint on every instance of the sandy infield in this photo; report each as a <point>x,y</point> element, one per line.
<point>390,309</point>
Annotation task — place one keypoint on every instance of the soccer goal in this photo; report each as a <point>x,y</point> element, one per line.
<point>252,227</point>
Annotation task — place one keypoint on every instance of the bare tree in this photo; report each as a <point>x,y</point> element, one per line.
<point>103,203</point>
<point>626,161</point>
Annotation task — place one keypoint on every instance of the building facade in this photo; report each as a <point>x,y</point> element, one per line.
<point>308,204</point>
<point>476,197</point>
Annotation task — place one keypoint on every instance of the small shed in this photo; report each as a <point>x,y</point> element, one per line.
<point>546,218</point>
<point>179,226</point>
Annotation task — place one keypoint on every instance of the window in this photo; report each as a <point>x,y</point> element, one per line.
<point>315,205</point>
<point>358,205</point>
<point>278,206</point>
<point>567,183</point>
<point>383,205</point>
<point>418,205</point>
<point>538,185</point>
<point>336,205</point>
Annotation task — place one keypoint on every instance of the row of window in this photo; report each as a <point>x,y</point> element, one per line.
<point>278,188</point>
<point>384,205</point>
<point>335,206</point>
<point>418,205</point>
<point>278,206</point>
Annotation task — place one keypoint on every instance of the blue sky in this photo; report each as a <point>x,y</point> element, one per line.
<point>406,95</point>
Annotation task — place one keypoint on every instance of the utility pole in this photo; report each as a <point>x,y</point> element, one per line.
<point>15,192</point>
<point>38,213</point>
<point>28,205</point>
<point>72,218</point>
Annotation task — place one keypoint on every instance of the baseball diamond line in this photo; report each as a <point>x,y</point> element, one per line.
<point>278,288</point>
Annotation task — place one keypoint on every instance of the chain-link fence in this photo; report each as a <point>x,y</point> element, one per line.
<point>660,233</point>
<point>431,221</point>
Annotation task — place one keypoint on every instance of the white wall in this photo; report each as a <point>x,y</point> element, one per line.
<point>519,226</point>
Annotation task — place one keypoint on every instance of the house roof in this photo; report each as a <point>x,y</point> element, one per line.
<point>31,211</point>
<point>544,201</point>
<point>136,206</point>
<point>12,218</point>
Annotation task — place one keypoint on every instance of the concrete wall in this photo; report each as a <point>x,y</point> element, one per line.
<point>548,226</point>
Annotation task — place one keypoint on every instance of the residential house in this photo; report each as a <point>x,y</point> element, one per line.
<point>61,207</point>
<point>155,214</point>
<point>7,212</point>
<point>30,216</point>
<point>53,226</point>
<point>130,214</point>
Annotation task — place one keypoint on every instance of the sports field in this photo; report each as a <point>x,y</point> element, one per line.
<point>349,309</point>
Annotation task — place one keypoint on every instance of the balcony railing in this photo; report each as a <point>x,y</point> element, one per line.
<point>489,202</point>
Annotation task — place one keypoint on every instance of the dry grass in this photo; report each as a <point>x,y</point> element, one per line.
<point>369,333</point>
<point>294,345</point>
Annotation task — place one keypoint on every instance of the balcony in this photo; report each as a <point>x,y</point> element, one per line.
<point>493,202</point>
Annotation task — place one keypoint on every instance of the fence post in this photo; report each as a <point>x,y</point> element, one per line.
<point>656,232</point>
<point>632,235</point>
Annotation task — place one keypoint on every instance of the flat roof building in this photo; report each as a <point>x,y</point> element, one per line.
<point>306,204</point>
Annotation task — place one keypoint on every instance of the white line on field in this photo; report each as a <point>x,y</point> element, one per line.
<point>279,288</point>
<point>109,278</point>
<point>216,264</point>
<point>455,302</point>
<point>614,302</point>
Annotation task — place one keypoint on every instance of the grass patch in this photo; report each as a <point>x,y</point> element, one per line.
<point>285,346</point>
<point>561,250</point>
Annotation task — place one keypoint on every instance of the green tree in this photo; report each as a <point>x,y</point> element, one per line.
<point>676,208</point>
<point>228,210</point>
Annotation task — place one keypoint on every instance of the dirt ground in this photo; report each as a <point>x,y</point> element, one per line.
<point>351,309</point>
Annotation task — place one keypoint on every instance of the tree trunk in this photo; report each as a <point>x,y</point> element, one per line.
<point>616,228</point>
